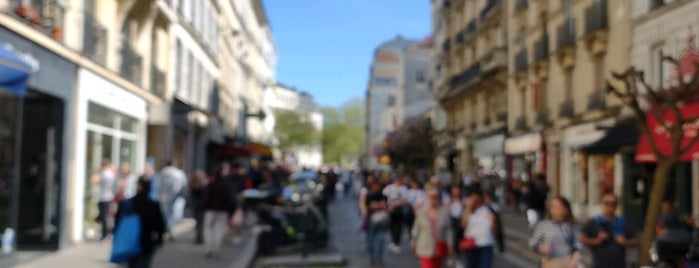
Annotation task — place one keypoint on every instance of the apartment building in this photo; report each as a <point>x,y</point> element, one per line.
<point>470,74</point>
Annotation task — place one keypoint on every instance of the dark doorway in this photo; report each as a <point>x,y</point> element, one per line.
<point>40,177</point>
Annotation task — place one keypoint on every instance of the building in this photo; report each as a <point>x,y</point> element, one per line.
<point>397,89</point>
<point>660,29</point>
<point>469,76</point>
<point>287,98</point>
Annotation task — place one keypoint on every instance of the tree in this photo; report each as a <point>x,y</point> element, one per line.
<point>343,132</point>
<point>411,146</point>
<point>294,129</point>
<point>664,116</point>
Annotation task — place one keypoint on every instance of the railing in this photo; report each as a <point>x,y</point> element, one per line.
<point>541,48</point>
<point>596,101</point>
<point>521,60</point>
<point>521,123</point>
<point>131,64</point>
<point>490,6</point>
<point>157,81</point>
<point>567,109</point>
<point>542,116</point>
<point>566,33</point>
<point>521,4</point>
<point>596,16</point>
<point>466,76</point>
<point>656,4</point>
<point>46,16</point>
<point>94,40</point>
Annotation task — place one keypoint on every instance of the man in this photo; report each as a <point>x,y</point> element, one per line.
<point>172,184</point>
<point>608,235</point>
<point>105,180</point>
<point>398,207</point>
<point>219,206</point>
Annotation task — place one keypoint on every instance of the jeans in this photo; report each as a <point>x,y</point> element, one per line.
<point>480,257</point>
<point>199,218</point>
<point>399,217</point>
<point>376,242</point>
<point>141,261</point>
<point>103,217</point>
<point>215,227</point>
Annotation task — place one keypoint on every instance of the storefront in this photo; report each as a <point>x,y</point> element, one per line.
<point>526,156</point>
<point>33,132</point>
<point>489,153</point>
<point>111,124</point>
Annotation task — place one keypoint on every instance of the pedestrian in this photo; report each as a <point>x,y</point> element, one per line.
<point>150,175</point>
<point>105,181</point>
<point>489,202</point>
<point>498,192</point>
<point>479,225</point>
<point>152,224</point>
<point>363,210</point>
<point>455,206</point>
<point>126,181</point>
<point>238,181</point>
<point>377,225</point>
<point>556,238</point>
<point>173,182</point>
<point>432,239</point>
<point>415,194</point>
<point>197,192</point>
<point>535,198</point>
<point>219,206</point>
<point>607,235</point>
<point>399,209</point>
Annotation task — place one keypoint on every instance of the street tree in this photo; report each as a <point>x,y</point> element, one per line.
<point>294,129</point>
<point>667,117</point>
<point>343,132</point>
<point>411,146</point>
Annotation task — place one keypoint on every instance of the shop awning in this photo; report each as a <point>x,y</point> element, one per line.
<point>614,138</point>
<point>644,151</point>
<point>529,143</point>
<point>14,72</point>
<point>261,149</point>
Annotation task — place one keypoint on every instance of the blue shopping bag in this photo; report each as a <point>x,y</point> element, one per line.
<point>127,236</point>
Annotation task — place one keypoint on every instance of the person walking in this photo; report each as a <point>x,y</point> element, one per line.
<point>219,206</point>
<point>105,181</point>
<point>399,209</point>
<point>432,239</point>
<point>377,223</point>
<point>126,181</point>
<point>152,177</point>
<point>197,191</point>
<point>479,225</point>
<point>556,239</point>
<point>607,235</point>
<point>173,181</point>
<point>152,224</point>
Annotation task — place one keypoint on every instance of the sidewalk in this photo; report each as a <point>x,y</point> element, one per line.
<point>181,252</point>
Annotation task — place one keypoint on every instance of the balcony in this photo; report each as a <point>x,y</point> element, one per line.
<point>131,64</point>
<point>567,109</point>
<point>565,34</point>
<point>521,123</point>
<point>521,4</point>
<point>45,16</point>
<point>596,17</point>
<point>465,77</point>
<point>490,7</point>
<point>521,60</point>
<point>541,48</point>
<point>495,60</point>
<point>157,81</point>
<point>542,117</point>
<point>94,40</point>
<point>596,101</point>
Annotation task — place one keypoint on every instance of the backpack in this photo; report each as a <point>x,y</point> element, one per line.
<point>499,232</point>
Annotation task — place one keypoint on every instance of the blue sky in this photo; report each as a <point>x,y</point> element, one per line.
<point>325,46</point>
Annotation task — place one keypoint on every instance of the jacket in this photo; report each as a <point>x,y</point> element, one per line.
<point>152,221</point>
<point>422,238</point>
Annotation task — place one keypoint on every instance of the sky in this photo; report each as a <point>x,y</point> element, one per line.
<point>325,47</point>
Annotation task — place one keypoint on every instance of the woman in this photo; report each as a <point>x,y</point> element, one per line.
<point>432,238</point>
<point>556,238</point>
<point>480,226</point>
<point>455,206</point>
<point>197,190</point>
<point>377,224</point>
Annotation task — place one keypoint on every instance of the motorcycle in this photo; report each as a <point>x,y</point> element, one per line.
<point>676,249</point>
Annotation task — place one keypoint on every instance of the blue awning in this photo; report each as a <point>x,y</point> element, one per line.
<point>14,72</point>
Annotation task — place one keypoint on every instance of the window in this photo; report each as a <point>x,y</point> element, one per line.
<point>178,64</point>
<point>391,100</point>
<point>385,81</point>
<point>420,76</point>
<point>657,68</point>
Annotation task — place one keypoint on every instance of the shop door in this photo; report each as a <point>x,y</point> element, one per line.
<point>635,187</point>
<point>40,177</point>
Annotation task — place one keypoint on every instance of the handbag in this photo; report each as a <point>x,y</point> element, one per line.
<point>441,249</point>
<point>467,243</point>
<point>127,236</point>
<point>379,219</point>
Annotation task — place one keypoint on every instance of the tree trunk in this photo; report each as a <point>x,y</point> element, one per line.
<point>659,186</point>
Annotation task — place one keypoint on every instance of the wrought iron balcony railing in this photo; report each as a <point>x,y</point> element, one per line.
<point>567,109</point>
<point>46,16</point>
<point>521,60</point>
<point>565,34</point>
<point>94,40</point>
<point>596,101</point>
<point>596,16</point>
<point>541,48</point>
<point>131,64</point>
<point>466,76</point>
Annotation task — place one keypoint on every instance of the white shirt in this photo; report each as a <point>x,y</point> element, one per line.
<point>107,185</point>
<point>480,227</point>
<point>394,193</point>
<point>455,209</point>
<point>415,196</point>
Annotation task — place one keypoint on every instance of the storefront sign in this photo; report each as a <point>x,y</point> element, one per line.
<point>489,146</point>
<point>524,144</point>
<point>585,134</point>
<point>644,151</point>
